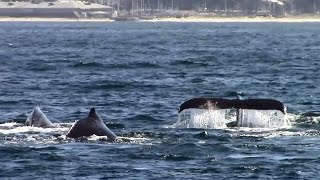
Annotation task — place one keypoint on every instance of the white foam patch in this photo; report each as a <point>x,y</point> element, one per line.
<point>271,132</point>
<point>14,128</point>
<point>292,117</point>
<point>97,138</point>
<point>119,138</point>
<point>134,138</point>
<point>10,124</point>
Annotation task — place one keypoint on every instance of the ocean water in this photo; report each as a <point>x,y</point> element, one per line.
<point>136,75</point>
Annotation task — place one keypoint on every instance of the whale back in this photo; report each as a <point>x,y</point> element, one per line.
<point>37,118</point>
<point>91,125</point>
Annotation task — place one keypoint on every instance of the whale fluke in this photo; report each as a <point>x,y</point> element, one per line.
<point>37,118</point>
<point>258,104</point>
<point>242,111</point>
<point>206,103</point>
<point>91,125</point>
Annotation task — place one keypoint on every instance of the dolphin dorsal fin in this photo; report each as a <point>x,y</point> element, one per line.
<point>92,112</point>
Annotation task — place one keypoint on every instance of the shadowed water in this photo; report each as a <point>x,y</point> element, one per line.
<point>137,74</point>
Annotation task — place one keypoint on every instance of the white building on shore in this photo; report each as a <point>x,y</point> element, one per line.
<point>57,9</point>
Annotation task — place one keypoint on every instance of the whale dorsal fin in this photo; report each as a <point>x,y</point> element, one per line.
<point>90,125</point>
<point>92,113</point>
<point>37,118</point>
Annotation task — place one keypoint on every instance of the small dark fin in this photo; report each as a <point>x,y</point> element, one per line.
<point>92,112</point>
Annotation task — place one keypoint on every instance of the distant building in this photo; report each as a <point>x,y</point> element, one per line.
<point>157,8</point>
<point>58,9</point>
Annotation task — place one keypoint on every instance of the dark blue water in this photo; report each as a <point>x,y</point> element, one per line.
<point>136,75</point>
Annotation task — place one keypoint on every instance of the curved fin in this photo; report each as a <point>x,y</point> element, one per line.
<point>37,118</point>
<point>92,112</point>
<point>89,126</point>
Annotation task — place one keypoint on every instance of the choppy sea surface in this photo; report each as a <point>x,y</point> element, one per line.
<point>136,75</point>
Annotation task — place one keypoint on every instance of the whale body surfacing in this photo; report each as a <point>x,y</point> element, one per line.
<point>91,125</point>
<point>37,118</point>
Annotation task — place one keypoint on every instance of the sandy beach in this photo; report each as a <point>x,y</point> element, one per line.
<point>169,19</point>
<point>239,19</point>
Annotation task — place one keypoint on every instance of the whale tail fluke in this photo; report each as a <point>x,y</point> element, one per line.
<point>211,103</point>
<point>261,104</point>
<point>248,112</point>
<point>207,103</point>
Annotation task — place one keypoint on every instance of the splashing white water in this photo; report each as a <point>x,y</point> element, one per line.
<point>262,119</point>
<point>219,118</point>
<point>205,118</point>
<point>16,128</point>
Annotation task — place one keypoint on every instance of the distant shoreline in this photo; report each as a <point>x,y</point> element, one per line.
<point>237,19</point>
<point>40,19</point>
<point>187,19</point>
